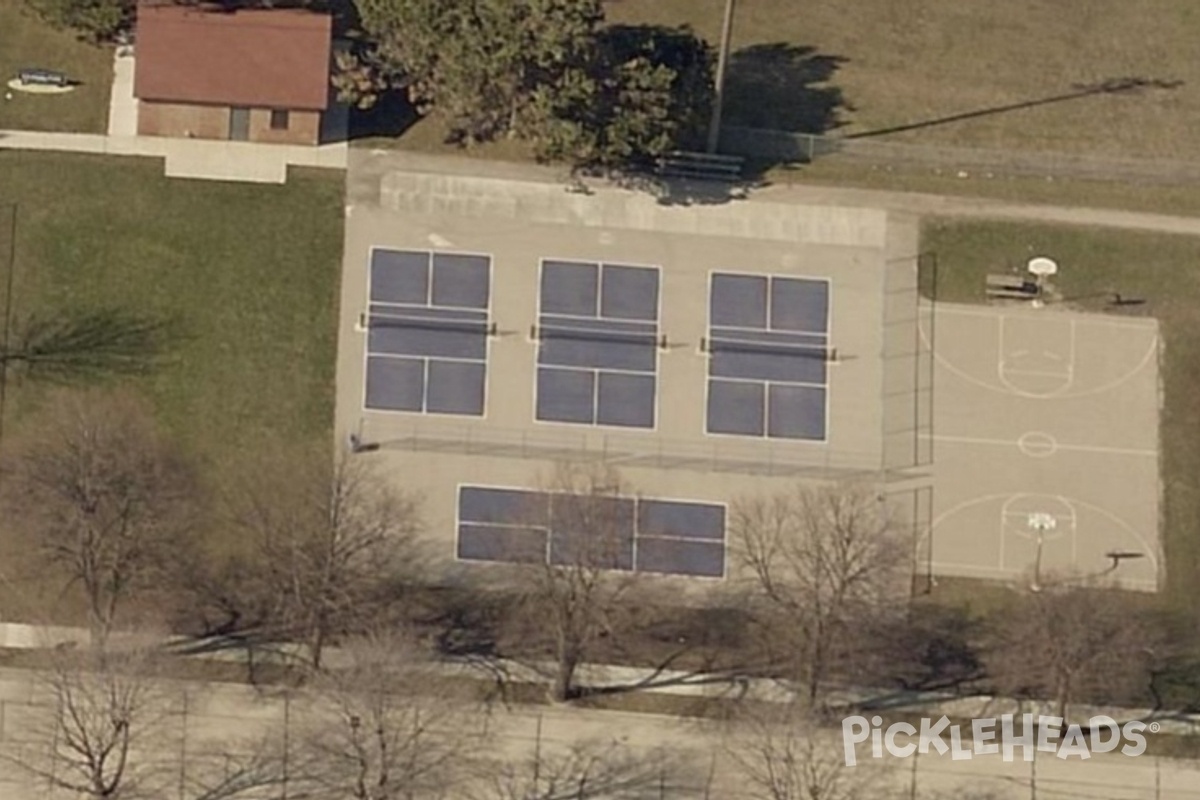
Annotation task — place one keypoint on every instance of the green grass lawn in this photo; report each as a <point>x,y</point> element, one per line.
<point>1158,199</point>
<point>875,64</point>
<point>1162,269</point>
<point>248,273</point>
<point>25,41</point>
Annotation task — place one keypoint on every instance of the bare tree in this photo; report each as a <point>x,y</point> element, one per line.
<point>581,771</point>
<point>388,726</point>
<point>966,791</point>
<point>94,735</point>
<point>822,560</point>
<point>107,725</point>
<point>581,592</point>
<point>780,753</point>
<point>327,547</point>
<point>108,499</point>
<point>235,769</point>
<point>1071,642</point>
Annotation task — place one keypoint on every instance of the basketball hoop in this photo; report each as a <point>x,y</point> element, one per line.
<point>1042,267</point>
<point>1042,522</point>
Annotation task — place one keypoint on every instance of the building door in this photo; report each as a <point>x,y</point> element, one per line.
<point>239,124</point>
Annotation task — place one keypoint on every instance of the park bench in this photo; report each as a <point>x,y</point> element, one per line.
<point>42,77</point>
<point>1014,287</point>
<point>701,166</point>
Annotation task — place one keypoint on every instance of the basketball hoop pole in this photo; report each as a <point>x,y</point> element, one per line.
<point>1041,523</point>
<point>1036,585</point>
<point>1041,268</point>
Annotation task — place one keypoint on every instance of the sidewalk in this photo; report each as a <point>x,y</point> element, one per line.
<point>190,158</point>
<point>122,105</point>
<point>182,158</point>
<point>21,636</point>
<point>368,168</point>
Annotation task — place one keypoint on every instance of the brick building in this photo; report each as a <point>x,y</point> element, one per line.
<point>247,75</point>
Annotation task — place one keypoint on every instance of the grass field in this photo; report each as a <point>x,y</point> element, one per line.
<point>872,65</point>
<point>26,42</point>
<point>851,69</point>
<point>1159,199</point>
<point>249,274</point>
<point>1165,272</point>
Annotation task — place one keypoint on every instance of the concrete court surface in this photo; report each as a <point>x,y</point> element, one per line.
<point>1044,418</point>
<point>868,256</point>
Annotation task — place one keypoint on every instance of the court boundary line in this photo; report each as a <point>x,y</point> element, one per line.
<point>1016,443</point>
<point>928,311</point>
<point>1089,318</point>
<point>1151,553</point>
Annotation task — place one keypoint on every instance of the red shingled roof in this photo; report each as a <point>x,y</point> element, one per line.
<point>256,58</point>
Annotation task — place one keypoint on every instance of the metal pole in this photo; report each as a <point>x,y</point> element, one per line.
<point>1042,527</point>
<point>10,282</point>
<point>933,301</point>
<point>1033,776</point>
<point>1037,560</point>
<point>183,748</point>
<point>537,756</point>
<point>929,538</point>
<point>912,788</point>
<point>714,125</point>
<point>287,735</point>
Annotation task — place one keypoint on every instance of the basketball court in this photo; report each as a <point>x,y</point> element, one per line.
<point>1045,431</point>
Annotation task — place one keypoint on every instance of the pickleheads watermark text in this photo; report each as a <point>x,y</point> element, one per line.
<point>995,736</point>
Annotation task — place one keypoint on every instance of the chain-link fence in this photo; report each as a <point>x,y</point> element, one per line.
<point>213,741</point>
<point>788,147</point>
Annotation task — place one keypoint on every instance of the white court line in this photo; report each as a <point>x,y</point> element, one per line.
<point>1003,371</point>
<point>954,569</point>
<point>1086,319</point>
<point>928,313</point>
<point>1037,373</point>
<point>1083,448</point>
<point>1071,353</point>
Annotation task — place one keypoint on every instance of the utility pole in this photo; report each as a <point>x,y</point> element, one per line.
<point>714,125</point>
<point>6,326</point>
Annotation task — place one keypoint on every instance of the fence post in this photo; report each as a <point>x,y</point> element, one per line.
<point>912,789</point>
<point>183,728</point>
<point>287,724</point>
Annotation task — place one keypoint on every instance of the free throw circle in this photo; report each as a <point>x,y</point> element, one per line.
<point>1037,444</point>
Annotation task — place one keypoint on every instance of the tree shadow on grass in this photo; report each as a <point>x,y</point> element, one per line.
<point>88,345</point>
<point>772,91</point>
<point>784,87</point>
<point>1110,86</point>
